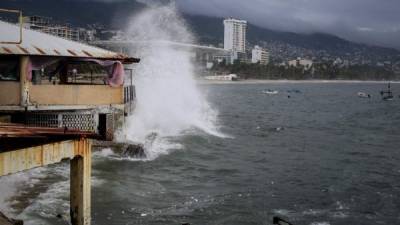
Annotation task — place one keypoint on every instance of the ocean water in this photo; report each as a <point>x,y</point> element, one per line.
<point>322,156</point>
<point>228,154</point>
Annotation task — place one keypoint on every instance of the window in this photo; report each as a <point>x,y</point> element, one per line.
<point>70,72</point>
<point>9,68</point>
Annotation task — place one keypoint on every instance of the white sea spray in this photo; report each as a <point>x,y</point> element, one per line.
<point>169,102</point>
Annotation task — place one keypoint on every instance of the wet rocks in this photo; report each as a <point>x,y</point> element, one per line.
<point>134,151</point>
<point>130,149</point>
<point>7,221</point>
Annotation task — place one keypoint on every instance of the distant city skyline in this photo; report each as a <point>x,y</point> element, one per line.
<point>370,21</point>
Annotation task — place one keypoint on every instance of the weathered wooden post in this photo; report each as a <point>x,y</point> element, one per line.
<point>80,184</point>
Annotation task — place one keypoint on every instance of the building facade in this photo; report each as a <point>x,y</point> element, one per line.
<point>235,35</point>
<point>45,25</point>
<point>306,63</point>
<point>259,55</point>
<point>230,77</point>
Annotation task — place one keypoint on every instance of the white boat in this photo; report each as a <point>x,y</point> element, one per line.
<point>388,98</point>
<point>363,95</point>
<point>270,92</point>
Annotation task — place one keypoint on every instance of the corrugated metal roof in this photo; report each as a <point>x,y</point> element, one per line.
<point>9,130</point>
<point>38,43</point>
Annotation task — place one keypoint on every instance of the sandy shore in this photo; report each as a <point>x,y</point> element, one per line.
<point>291,81</point>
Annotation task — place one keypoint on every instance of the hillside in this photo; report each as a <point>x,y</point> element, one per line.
<point>208,30</point>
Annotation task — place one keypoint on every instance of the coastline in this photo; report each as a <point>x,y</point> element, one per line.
<point>255,81</point>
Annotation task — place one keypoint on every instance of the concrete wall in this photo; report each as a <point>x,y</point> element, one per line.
<point>76,95</point>
<point>10,93</point>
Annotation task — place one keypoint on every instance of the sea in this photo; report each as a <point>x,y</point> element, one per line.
<point>313,154</point>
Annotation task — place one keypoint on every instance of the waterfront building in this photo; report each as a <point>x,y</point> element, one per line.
<point>259,55</point>
<point>230,57</point>
<point>45,25</point>
<point>222,58</point>
<point>86,35</point>
<point>62,31</point>
<point>49,81</point>
<point>235,35</point>
<point>230,77</point>
<point>239,57</point>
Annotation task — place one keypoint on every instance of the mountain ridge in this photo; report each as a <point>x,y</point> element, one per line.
<point>208,30</point>
<point>257,34</point>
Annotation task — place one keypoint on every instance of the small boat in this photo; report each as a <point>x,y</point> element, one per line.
<point>363,95</point>
<point>270,92</point>
<point>388,98</point>
<point>294,91</point>
<point>388,94</point>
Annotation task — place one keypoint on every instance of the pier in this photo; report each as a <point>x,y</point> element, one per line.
<point>23,148</point>
<point>56,95</point>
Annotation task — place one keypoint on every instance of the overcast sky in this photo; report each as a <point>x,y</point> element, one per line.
<point>371,21</point>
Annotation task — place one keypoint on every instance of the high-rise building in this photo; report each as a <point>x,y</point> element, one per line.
<point>235,35</point>
<point>259,55</point>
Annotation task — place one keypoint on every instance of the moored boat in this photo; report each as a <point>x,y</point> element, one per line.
<point>388,94</point>
<point>363,95</point>
<point>270,92</point>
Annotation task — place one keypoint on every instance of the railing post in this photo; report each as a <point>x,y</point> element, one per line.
<point>80,184</point>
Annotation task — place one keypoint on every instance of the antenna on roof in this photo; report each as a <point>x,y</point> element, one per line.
<point>20,20</point>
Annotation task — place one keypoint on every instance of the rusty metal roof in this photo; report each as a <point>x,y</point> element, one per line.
<point>38,43</point>
<point>20,131</point>
<point>16,136</point>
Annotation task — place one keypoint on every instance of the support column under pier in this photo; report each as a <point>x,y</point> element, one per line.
<point>80,184</point>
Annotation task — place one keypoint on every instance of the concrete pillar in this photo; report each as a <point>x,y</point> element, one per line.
<point>80,184</point>
<point>24,81</point>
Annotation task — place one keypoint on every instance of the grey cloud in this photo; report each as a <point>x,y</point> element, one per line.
<point>375,22</point>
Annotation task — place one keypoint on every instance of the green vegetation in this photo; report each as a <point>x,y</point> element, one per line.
<point>326,71</point>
